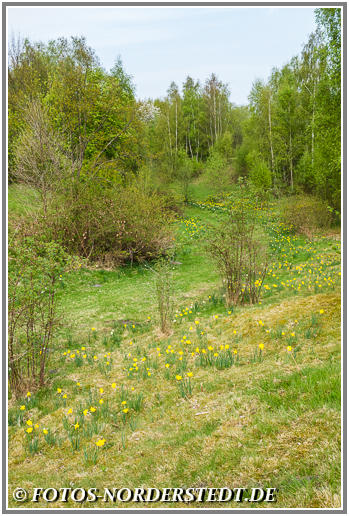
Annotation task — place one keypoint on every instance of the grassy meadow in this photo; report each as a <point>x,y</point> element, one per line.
<point>242,397</point>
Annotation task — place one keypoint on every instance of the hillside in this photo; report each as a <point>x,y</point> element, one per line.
<point>241,397</point>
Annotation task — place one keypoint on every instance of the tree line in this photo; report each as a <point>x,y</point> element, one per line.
<point>69,117</point>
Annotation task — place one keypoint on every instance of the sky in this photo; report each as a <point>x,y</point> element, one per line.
<point>159,45</point>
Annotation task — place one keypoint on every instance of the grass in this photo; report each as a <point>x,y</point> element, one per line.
<point>270,419</point>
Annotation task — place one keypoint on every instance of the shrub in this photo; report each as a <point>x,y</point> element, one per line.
<point>35,269</point>
<point>304,214</point>
<point>164,293</point>
<point>184,172</point>
<point>218,172</point>
<point>259,172</point>
<point>240,258</point>
<point>110,226</point>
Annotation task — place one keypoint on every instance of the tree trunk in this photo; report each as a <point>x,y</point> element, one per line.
<point>169,133</point>
<point>271,139</point>
<point>312,129</point>
<point>176,129</point>
<point>291,162</point>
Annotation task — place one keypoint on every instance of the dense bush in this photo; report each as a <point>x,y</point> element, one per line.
<point>110,226</point>
<point>259,172</point>
<point>304,214</point>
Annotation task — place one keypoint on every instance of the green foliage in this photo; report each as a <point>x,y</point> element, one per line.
<point>295,117</point>
<point>183,172</point>
<point>305,173</point>
<point>90,127</point>
<point>259,172</point>
<point>218,174</point>
<point>34,274</point>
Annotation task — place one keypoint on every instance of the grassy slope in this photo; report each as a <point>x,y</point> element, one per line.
<point>271,423</point>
